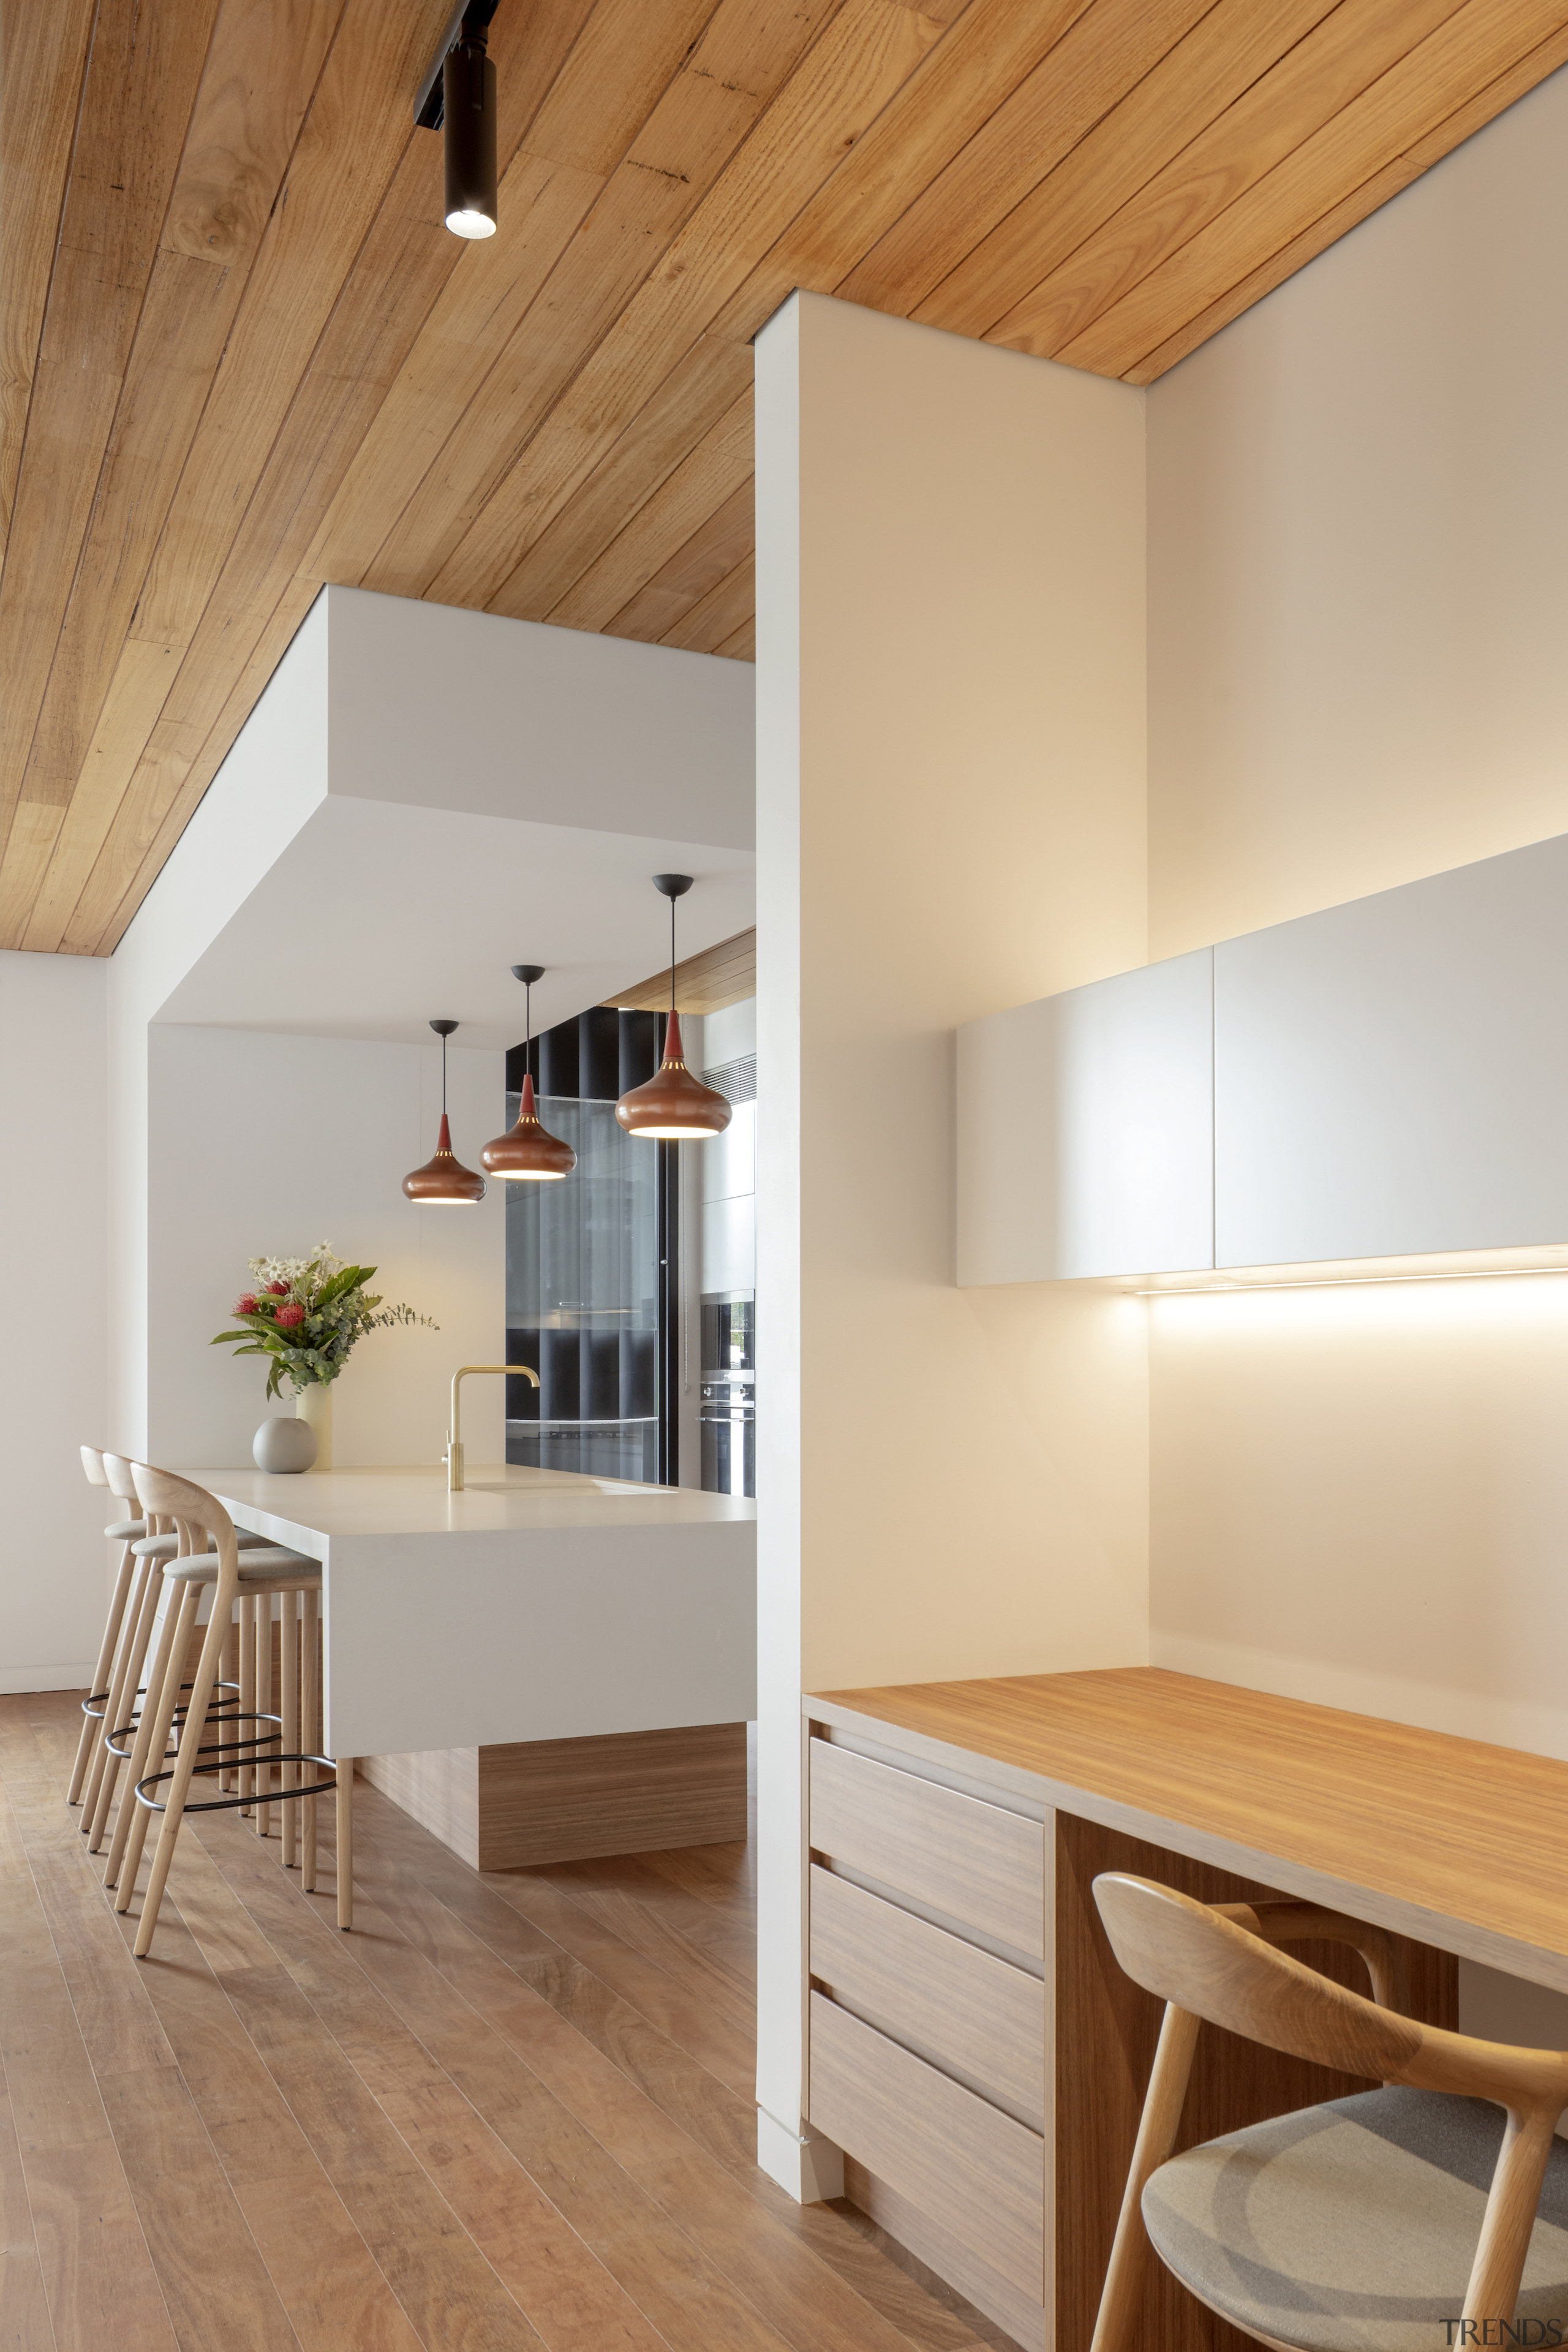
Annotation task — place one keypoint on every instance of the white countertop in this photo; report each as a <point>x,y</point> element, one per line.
<point>497,1498</point>
<point>535,1605</point>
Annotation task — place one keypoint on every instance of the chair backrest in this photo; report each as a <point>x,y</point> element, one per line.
<point>200,1518</point>
<point>92,1462</point>
<point>1190,1956</point>
<point>117,1476</point>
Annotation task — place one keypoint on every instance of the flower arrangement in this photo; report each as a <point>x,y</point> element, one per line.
<point>307,1313</point>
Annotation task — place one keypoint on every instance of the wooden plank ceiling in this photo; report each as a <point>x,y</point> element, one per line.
<point>241,355</point>
<point>719,975</point>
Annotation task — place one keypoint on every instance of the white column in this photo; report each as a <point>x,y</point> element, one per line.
<point>950,780</point>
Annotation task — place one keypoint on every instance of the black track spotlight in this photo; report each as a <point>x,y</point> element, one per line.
<point>459,97</point>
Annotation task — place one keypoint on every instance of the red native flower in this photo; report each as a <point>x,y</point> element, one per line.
<point>290,1318</point>
<point>245,1306</point>
<point>277,1290</point>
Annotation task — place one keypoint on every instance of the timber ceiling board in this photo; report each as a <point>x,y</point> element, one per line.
<point>707,982</point>
<point>240,356</point>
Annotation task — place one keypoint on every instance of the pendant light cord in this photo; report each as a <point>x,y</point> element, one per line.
<point>528,1028</point>
<point>443,1077</point>
<point>671,971</point>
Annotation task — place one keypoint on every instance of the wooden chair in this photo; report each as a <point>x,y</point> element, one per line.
<point>112,1707</point>
<point>122,1531</point>
<point>1374,2224</point>
<point>133,1616</point>
<point>209,1554</point>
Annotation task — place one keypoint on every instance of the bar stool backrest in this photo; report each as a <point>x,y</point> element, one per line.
<point>116,1472</point>
<point>92,1462</point>
<point>198,1518</point>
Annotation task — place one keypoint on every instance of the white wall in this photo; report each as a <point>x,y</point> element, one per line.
<point>1358,600</point>
<point>264,1145</point>
<point>54,1563</point>
<point>1358,604</point>
<point>418,796</point>
<point>951,819</point>
<point>273,778</point>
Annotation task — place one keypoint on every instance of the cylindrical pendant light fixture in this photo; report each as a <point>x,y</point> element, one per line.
<point>469,97</point>
<point>673,1105</point>
<point>528,1152</point>
<point>444,1182</point>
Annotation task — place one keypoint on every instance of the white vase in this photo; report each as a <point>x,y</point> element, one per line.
<point>314,1404</point>
<point>284,1448</point>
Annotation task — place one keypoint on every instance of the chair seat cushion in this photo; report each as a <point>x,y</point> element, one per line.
<point>123,1530</point>
<point>1352,2227</point>
<point>268,1560</point>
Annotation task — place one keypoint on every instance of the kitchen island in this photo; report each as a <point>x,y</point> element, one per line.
<point>539,1668</point>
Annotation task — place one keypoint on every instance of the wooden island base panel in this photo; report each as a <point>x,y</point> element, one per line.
<point>973,2048</point>
<point>530,1802</point>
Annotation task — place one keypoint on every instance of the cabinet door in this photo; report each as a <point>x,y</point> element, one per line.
<point>1086,1127</point>
<point>1390,1076</point>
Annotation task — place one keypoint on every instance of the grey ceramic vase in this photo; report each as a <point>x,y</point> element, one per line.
<point>284,1445</point>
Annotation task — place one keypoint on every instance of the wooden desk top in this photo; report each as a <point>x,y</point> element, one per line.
<point>1461,1844</point>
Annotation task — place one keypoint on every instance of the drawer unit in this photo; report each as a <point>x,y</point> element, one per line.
<point>978,1864</point>
<point>948,2152</point>
<point>974,2016</point>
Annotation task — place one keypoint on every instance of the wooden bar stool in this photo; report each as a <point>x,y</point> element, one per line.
<point>113,1705</point>
<point>209,1554</point>
<point>123,1532</point>
<point>122,1682</point>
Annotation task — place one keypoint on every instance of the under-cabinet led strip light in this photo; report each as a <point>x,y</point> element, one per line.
<point>1347,1281</point>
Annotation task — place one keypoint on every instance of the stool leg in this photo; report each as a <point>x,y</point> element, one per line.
<point>344,1767</point>
<point>158,1720</point>
<point>310,1688</point>
<point>289,1671</point>
<point>136,1601</point>
<point>124,1706</point>
<point>228,1777</point>
<point>101,1673</point>
<point>263,1708</point>
<point>165,1663</point>
<point>178,1788</point>
<point>248,1729</point>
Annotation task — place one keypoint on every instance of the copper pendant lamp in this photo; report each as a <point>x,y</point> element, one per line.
<point>673,1106</point>
<point>444,1182</point>
<point>528,1152</point>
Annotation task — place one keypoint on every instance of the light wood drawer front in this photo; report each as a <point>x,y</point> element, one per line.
<point>930,2140</point>
<point>974,2015</point>
<point>980,1865</point>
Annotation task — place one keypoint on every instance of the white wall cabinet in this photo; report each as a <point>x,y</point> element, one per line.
<point>1390,1076</point>
<point>1085,1129</point>
<point>1387,1079</point>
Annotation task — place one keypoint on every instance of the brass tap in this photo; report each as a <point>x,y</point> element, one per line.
<point>454,1455</point>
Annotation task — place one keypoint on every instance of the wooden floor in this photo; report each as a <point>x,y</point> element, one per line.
<point>509,2110</point>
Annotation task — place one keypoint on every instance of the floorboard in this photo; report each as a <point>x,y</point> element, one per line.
<point>511,2110</point>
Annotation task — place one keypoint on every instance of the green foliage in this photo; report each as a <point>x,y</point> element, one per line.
<point>336,1311</point>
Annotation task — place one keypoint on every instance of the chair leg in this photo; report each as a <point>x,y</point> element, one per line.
<point>263,1708</point>
<point>344,1767</point>
<point>136,1601</point>
<point>246,1696</point>
<point>1493,2291</point>
<point>125,1703</point>
<point>289,1673</point>
<point>153,1734</point>
<point>140,1747</point>
<point>101,1673</point>
<point>1116,2327</point>
<point>184,1762</point>
<point>310,1684</point>
<point>228,1778</point>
